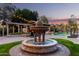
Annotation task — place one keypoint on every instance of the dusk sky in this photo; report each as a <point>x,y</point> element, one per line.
<point>53,10</point>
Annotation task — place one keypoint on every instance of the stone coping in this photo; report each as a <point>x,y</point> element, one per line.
<point>62,51</point>
<point>53,43</point>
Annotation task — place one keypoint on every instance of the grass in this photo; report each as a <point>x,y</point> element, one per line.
<point>60,34</point>
<point>74,48</point>
<point>16,33</point>
<point>4,48</point>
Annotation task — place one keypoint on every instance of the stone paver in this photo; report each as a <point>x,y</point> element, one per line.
<point>5,39</point>
<point>75,40</point>
<point>9,39</point>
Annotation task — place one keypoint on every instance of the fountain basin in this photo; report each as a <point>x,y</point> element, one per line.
<point>45,47</point>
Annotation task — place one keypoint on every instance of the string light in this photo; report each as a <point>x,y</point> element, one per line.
<point>19,17</point>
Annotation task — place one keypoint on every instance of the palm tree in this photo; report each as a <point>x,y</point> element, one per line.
<point>72,25</point>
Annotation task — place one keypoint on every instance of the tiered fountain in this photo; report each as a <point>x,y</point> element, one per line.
<point>39,45</point>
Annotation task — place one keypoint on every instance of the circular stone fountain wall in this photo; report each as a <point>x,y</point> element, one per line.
<point>17,51</point>
<point>34,47</point>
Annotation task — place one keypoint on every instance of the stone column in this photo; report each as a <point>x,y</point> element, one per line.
<point>7,29</point>
<point>35,39</point>
<point>43,37</point>
<point>39,37</point>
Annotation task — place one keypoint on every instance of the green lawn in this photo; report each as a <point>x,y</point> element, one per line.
<point>74,48</point>
<point>4,48</point>
<point>60,34</point>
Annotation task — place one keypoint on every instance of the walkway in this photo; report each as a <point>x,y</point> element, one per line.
<point>9,39</point>
<point>5,39</point>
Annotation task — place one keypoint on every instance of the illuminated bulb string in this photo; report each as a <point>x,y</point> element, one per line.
<point>20,18</point>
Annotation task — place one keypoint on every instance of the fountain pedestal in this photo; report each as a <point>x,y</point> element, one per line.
<point>39,33</point>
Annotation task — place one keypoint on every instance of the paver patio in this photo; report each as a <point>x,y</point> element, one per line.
<point>8,39</point>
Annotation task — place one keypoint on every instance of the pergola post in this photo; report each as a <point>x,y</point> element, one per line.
<point>13,29</point>
<point>3,31</point>
<point>18,28</point>
<point>7,29</point>
<point>26,29</point>
<point>21,28</point>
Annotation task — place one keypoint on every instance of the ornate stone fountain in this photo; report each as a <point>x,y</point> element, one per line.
<point>39,44</point>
